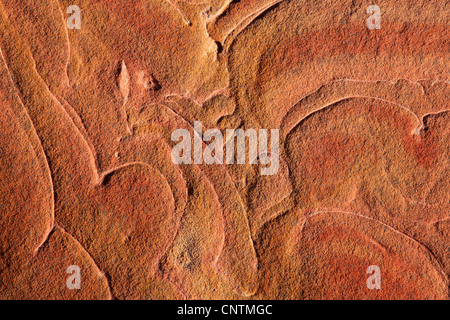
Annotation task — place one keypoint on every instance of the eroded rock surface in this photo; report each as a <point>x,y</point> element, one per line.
<point>87,177</point>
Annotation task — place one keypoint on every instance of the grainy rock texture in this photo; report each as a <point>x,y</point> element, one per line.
<point>86,171</point>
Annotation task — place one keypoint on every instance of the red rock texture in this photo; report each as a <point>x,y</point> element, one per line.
<point>86,176</point>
